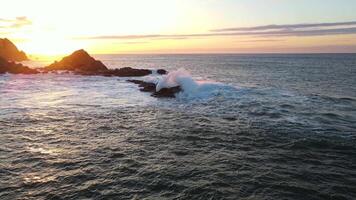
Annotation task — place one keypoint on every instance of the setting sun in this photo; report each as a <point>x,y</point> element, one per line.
<point>45,44</point>
<point>44,27</point>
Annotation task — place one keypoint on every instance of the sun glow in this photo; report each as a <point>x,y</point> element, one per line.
<point>46,44</point>
<point>58,27</point>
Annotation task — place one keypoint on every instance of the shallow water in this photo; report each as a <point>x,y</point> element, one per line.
<point>272,127</point>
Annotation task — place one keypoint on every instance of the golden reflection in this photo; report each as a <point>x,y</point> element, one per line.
<point>37,178</point>
<point>45,150</point>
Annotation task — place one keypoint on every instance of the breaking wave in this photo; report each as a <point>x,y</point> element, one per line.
<point>191,88</point>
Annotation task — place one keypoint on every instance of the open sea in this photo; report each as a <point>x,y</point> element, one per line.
<point>267,126</point>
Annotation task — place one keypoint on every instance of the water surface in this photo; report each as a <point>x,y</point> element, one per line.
<point>260,127</point>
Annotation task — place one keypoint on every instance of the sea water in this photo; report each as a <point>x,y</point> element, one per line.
<point>245,127</point>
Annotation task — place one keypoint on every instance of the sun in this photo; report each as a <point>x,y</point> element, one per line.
<point>47,44</point>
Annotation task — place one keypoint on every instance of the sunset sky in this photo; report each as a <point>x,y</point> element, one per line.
<point>52,27</point>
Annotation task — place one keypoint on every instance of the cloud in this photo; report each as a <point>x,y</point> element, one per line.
<point>286,26</point>
<point>342,28</point>
<point>279,33</point>
<point>17,22</point>
<point>133,42</point>
<point>262,40</point>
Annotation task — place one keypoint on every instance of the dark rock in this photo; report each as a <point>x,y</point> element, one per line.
<point>9,51</point>
<point>144,86</point>
<point>15,68</point>
<point>167,92</point>
<point>151,87</point>
<point>79,61</point>
<point>136,81</point>
<point>122,72</point>
<point>161,71</point>
<point>127,72</point>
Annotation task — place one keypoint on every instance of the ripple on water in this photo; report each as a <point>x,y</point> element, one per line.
<point>246,143</point>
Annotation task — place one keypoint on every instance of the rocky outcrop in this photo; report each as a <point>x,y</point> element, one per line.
<point>15,68</point>
<point>79,61</point>
<point>127,72</point>
<point>167,92</point>
<point>151,87</point>
<point>9,51</point>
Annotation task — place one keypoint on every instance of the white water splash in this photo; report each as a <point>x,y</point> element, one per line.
<point>191,88</point>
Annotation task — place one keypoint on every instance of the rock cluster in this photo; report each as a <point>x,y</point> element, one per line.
<point>151,87</point>
<point>79,61</point>
<point>127,72</point>
<point>9,51</point>
<point>15,68</point>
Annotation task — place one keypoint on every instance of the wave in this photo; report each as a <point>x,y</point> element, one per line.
<point>191,88</point>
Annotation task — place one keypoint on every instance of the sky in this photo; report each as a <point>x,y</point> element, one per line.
<point>57,27</point>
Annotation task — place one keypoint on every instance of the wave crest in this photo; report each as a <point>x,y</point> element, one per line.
<point>190,87</point>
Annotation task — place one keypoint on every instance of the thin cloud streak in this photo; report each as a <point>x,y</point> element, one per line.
<point>274,33</point>
<point>286,26</point>
<point>254,41</point>
<point>18,22</point>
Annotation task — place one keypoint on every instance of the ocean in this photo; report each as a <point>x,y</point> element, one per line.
<point>269,126</point>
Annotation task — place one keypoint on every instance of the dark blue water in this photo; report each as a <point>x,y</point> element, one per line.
<point>253,127</point>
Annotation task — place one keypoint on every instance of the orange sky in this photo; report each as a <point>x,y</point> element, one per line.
<point>56,27</point>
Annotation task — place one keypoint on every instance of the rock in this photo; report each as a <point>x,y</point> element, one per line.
<point>127,72</point>
<point>144,86</point>
<point>161,71</point>
<point>79,61</point>
<point>151,87</point>
<point>9,51</point>
<point>122,72</point>
<point>167,92</point>
<point>15,68</point>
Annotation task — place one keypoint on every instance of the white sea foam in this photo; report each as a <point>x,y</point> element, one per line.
<point>191,88</point>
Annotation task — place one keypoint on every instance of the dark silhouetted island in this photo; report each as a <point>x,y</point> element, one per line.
<point>80,63</point>
<point>9,51</point>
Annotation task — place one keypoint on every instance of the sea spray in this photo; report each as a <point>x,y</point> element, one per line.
<point>180,77</point>
<point>190,87</point>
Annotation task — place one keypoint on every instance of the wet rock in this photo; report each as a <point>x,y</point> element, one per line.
<point>144,86</point>
<point>79,61</point>
<point>161,71</point>
<point>15,68</point>
<point>151,87</point>
<point>9,51</point>
<point>122,72</point>
<point>167,92</point>
<point>127,72</point>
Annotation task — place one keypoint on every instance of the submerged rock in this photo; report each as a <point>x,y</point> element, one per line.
<point>79,61</point>
<point>151,87</point>
<point>9,51</point>
<point>15,68</point>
